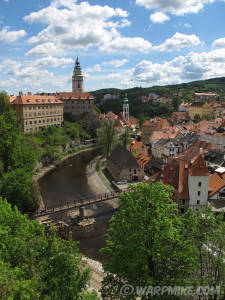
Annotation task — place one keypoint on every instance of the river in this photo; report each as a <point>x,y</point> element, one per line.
<point>68,182</point>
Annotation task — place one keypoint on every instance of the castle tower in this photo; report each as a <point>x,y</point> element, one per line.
<point>126,107</point>
<point>77,79</point>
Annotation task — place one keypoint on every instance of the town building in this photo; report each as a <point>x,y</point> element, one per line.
<point>190,178</point>
<point>34,112</point>
<point>203,109</point>
<point>77,78</point>
<point>77,102</point>
<point>149,126</point>
<point>205,96</point>
<point>137,148</point>
<point>126,113</point>
<point>122,165</point>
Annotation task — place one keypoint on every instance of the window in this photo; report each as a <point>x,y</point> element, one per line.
<point>199,193</point>
<point>183,201</point>
<point>135,171</point>
<point>199,184</point>
<point>198,201</point>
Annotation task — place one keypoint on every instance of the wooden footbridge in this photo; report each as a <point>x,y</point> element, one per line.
<point>78,203</point>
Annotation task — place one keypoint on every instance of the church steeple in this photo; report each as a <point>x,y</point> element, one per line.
<point>126,107</point>
<point>77,79</point>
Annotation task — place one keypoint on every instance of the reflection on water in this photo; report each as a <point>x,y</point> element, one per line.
<point>68,181</point>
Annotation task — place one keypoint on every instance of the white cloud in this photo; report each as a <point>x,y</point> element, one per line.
<point>159,17</point>
<point>72,32</point>
<point>125,44</point>
<point>116,62</point>
<point>175,7</point>
<point>53,62</point>
<point>194,66</point>
<point>187,25</point>
<point>45,49</point>
<point>219,43</point>
<point>95,68</point>
<point>7,36</point>
<point>177,42</point>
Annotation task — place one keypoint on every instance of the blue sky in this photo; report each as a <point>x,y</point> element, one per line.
<point>119,43</point>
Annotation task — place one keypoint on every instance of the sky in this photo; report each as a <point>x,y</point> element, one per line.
<point>120,43</point>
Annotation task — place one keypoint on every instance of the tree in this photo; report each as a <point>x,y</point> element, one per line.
<point>8,138</point>
<point>33,266</point>
<point>197,118</point>
<point>208,235</point>
<point>144,244</point>
<point>107,137</point>
<point>4,102</point>
<point>125,137</point>
<point>16,187</point>
<point>176,102</point>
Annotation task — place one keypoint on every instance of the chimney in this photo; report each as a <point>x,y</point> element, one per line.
<point>29,93</point>
<point>20,93</point>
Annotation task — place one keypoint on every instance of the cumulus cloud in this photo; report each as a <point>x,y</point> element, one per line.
<point>95,68</point>
<point>45,49</point>
<point>194,66</point>
<point>125,44</point>
<point>53,62</point>
<point>219,43</point>
<point>10,36</point>
<point>72,32</point>
<point>177,42</point>
<point>175,7</point>
<point>116,62</point>
<point>159,17</point>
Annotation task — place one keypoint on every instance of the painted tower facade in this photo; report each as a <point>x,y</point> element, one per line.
<point>126,107</point>
<point>77,79</point>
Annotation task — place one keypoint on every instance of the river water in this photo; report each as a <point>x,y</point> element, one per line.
<point>68,182</point>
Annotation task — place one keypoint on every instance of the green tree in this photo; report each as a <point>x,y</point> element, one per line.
<point>8,138</point>
<point>144,244</point>
<point>4,102</point>
<point>35,267</point>
<point>176,102</point>
<point>107,137</point>
<point>208,232</point>
<point>16,187</point>
<point>197,118</point>
<point>125,137</point>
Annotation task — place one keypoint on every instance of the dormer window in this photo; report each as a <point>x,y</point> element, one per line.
<point>43,100</point>
<point>28,100</point>
<point>38,100</point>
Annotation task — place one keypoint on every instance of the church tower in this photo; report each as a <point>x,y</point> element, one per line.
<point>126,107</point>
<point>77,79</point>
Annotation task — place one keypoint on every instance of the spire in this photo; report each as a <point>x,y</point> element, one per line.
<point>125,101</point>
<point>77,78</point>
<point>77,63</point>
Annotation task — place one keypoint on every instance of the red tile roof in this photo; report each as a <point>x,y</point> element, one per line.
<point>36,99</point>
<point>215,184</point>
<point>75,95</point>
<point>143,159</point>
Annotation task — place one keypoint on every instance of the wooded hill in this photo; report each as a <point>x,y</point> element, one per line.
<point>149,110</point>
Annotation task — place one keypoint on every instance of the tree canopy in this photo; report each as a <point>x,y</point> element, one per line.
<point>36,267</point>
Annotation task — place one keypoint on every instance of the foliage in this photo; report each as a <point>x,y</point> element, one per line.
<point>197,118</point>
<point>125,137</point>
<point>107,137</point>
<point>16,187</point>
<point>4,102</point>
<point>8,138</point>
<point>144,245</point>
<point>149,244</point>
<point>34,267</point>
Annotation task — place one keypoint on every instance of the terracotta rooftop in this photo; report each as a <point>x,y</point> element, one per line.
<point>135,145</point>
<point>198,167</point>
<point>143,159</point>
<point>36,99</point>
<point>75,95</point>
<point>215,184</point>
